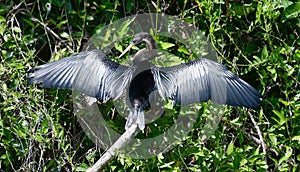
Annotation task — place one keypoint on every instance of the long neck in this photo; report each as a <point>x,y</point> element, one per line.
<point>150,42</point>
<point>144,55</point>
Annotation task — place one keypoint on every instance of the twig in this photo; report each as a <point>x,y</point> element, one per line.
<point>258,142</point>
<point>17,9</point>
<point>120,143</point>
<point>261,139</point>
<point>253,138</point>
<point>52,32</point>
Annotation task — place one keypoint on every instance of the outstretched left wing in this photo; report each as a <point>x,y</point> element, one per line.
<point>89,72</point>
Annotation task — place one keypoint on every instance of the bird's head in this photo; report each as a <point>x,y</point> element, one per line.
<point>142,37</point>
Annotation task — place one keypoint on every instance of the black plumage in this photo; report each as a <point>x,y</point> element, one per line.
<point>92,73</point>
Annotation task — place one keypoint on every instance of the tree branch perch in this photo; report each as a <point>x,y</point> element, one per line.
<point>112,151</point>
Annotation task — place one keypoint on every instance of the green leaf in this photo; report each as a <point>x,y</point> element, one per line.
<point>236,122</point>
<point>297,138</point>
<point>125,26</point>
<point>264,53</point>
<point>290,70</point>
<point>257,59</point>
<point>90,18</point>
<point>273,138</point>
<point>166,45</point>
<point>60,24</point>
<point>17,29</point>
<point>2,19</point>
<point>292,11</point>
<point>82,167</point>
<point>119,47</point>
<point>281,116</point>
<point>256,152</point>
<point>64,35</point>
<point>3,156</point>
<point>4,87</point>
<point>230,148</point>
<point>129,5</point>
<point>183,50</point>
<point>286,103</point>
<point>287,155</point>
<point>286,3</point>
<point>236,162</point>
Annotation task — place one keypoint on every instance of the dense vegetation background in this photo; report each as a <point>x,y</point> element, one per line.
<point>258,40</point>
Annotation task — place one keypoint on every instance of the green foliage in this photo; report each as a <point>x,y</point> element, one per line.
<point>258,40</point>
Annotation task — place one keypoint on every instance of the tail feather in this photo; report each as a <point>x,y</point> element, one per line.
<point>137,117</point>
<point>141,120</point>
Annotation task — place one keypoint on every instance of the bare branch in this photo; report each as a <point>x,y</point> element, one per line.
<point>261,139</point>
<point>112,151</point>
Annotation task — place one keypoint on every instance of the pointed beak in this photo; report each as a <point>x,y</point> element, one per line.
<point>127,49</point>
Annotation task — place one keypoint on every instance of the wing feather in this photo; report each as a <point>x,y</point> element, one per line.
<point>202,80</point>
<point>89,72</point>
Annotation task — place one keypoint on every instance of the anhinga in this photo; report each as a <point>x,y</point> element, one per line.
<point>95,75</point>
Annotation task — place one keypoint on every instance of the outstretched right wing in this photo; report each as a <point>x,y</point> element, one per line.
<point>202,80</point>
<point>89,72</point>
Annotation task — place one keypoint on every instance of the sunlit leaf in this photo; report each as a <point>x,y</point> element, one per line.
<point>64,35</point>
<point>292,11</point>
<point>230,148</point>
<point>166,45</point>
